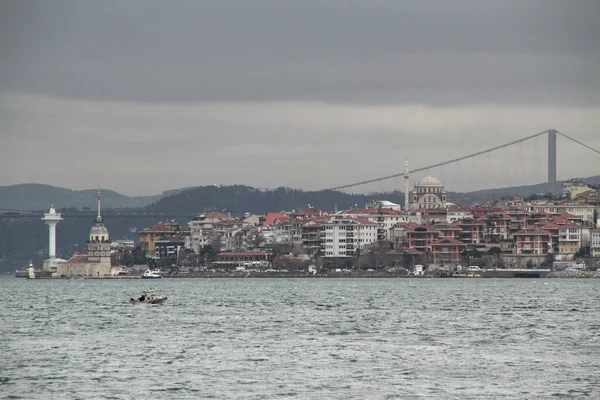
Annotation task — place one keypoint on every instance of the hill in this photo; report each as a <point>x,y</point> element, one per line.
<point>34,196</point>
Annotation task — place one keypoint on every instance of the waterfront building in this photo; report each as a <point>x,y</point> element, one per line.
<point>311,236</point>
<point>447,250</point>
<point>257,260</point>
<point>342,236</point>
<point>168,247</point>
<point>158,231</point>
<point>572,237</point>
<point>421,237</point>
<point>471,230</point>
<point>428,193</point>
<point>533,241</point>
<point>97,261</point>
<point>595,243</point>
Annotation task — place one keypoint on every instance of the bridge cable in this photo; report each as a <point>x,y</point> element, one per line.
<point>442,163</point>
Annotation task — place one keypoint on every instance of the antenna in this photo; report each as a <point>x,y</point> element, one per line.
<point>99,217</point>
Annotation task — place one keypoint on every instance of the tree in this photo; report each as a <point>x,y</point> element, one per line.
<point>495,251</point>
<point>139,256</point>
<point>582,252</point>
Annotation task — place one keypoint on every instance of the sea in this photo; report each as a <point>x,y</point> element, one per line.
<point>313,338</point>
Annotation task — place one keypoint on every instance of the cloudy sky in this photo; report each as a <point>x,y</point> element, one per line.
<point>142,96</point>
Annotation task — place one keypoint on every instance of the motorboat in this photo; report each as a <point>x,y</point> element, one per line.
<point>149,297</point>
<point>149,274</point>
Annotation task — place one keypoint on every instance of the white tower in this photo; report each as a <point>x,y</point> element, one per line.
<point>52,218</point>
<point>406,179</point>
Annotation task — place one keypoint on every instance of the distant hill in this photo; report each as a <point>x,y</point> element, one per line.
<point>236,198</point>
<point>239,199</point>
<point>34,196</point>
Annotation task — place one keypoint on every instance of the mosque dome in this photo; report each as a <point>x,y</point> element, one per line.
<point>429,181</point>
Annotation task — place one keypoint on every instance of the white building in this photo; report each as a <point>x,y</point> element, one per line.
<point>384,218</point>
<point>456,214</point>
<point>341,236</point>
<point>595,243</point>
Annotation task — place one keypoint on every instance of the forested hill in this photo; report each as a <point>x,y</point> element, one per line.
<point>239,199</point>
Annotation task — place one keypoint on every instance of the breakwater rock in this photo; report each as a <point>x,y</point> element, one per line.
<point>574,274</point>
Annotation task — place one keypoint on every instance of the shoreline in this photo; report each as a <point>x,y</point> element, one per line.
<point>505,274</point>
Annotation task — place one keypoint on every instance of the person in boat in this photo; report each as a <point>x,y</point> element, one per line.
<point>143,298</point>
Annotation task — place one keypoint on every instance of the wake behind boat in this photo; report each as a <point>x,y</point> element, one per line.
<point>149,297</point>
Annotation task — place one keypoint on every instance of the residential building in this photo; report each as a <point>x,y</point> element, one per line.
<point>595,243</point>
<point>168,247</point>
<point>497,226</point>
<point>158,231</point>
<point>421,237</point>
<point>447,250</point>
<point>471,230</point>
<point>582,210</point>
<point>342,236</point>
<point>533,241</point>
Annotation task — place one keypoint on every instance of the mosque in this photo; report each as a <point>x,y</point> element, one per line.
<point>429,192</point>
<point>95,263</point>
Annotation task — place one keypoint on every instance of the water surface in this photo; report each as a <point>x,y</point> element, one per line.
<point>301,338</point>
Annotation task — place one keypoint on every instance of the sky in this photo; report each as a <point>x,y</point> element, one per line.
<point>142,96</point>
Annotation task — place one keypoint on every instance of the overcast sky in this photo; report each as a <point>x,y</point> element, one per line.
<point>142,96</point>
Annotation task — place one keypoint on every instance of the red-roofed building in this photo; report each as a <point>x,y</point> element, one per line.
<point>472,230</point>
<point>448,230</point>
<point>497,226</point>
<point>273,217</point>
<point>421,237</point>
<point>447,250</point>
<point>533,241</point>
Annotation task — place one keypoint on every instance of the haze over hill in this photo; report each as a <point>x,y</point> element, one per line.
<point>236,198</point>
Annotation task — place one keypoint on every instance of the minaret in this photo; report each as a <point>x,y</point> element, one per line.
<point>406,180</point>
<point>52,218</point>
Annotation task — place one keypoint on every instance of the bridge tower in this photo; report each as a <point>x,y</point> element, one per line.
<point>552,188</point>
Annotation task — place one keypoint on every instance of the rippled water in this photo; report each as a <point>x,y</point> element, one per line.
<point>302,338</point>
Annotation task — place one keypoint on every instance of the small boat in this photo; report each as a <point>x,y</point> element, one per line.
<point>148,274</point>
<point>149,297</point>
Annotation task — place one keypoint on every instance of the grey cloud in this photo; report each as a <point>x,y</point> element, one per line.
<point>381,51</point>
<point>147,95</point>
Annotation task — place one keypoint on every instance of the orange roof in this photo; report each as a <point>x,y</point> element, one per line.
<point>448,241</point>
<point>272,216</point>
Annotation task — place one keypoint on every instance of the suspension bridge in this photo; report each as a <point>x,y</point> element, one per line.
<point>551,134</point>
<point>551,187</point>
